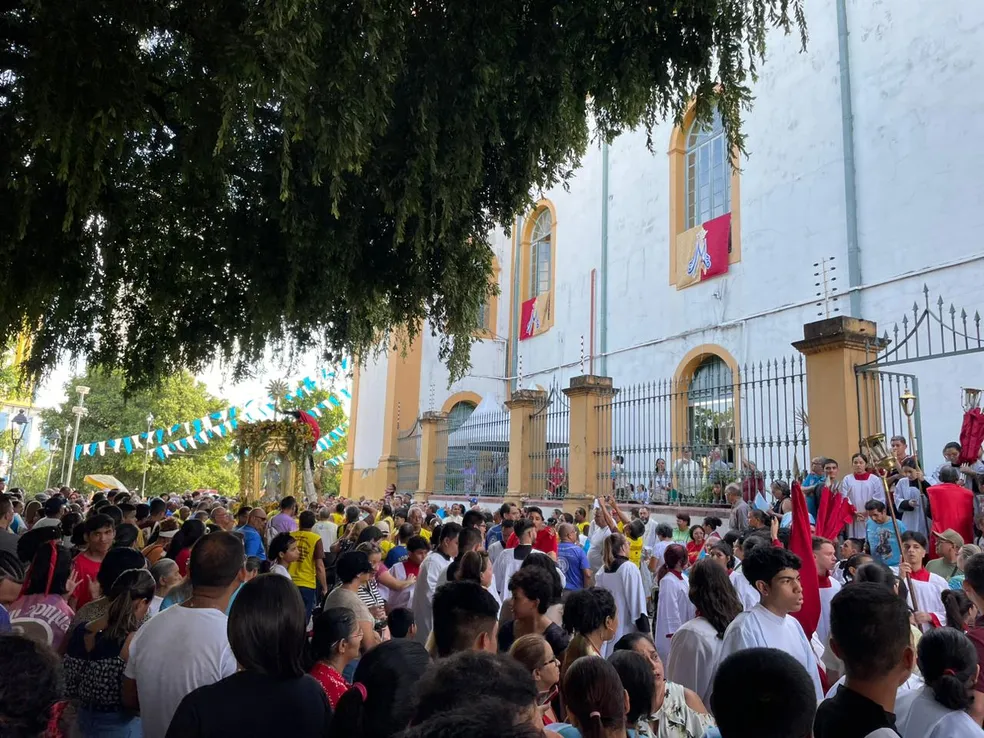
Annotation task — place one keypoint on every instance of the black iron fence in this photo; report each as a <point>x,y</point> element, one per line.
<point>408,459</point>
<point>684,440</point>
<point>550,426</point>
<point>473,459</point>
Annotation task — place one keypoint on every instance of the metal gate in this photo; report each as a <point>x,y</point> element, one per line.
<point>408,459</point>
<point>933,332</point>
<point>550,448</point>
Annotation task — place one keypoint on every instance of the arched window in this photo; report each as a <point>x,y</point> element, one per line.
<point>541,254</point>
<point>708,174</point>
<point>710,409</point>
<point>459,414</point>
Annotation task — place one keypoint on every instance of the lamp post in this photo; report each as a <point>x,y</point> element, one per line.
<point>908,402</point>
<point>65,450</point>
<point>18,427</point>
<point>80,412</point>
<point>143,484</point>
<point>52,448</point>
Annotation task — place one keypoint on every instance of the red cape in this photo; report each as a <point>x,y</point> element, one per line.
<point>835,511</point>
<point>971,435</point>
<point>953,507</point>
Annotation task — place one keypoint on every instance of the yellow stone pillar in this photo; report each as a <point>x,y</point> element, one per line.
<point>585,465</point>
<point>433,446</point>
<point>833,347</point>
<point>522,404</point>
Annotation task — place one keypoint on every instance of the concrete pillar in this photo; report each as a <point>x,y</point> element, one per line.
<point>585,466</point>
<point>833,347</point>
<point>522,404</point>
<point>433,445</point>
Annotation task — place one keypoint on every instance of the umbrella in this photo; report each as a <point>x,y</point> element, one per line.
<point>104,482</point>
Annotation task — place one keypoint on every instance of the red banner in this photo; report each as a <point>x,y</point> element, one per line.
<point>533,316</point>
<point>702,252</point>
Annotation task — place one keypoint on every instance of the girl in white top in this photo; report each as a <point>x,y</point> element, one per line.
<point>948,663</point>
<point>624,580</point>
<point>860,487</point>
<point>674,607</point>
<point>695,649</point>
<point>283,552</point>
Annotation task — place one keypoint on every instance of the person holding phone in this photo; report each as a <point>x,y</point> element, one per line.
<point>534,652</point>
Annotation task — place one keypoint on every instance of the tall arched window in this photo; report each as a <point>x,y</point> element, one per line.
<point>710,409</point>
<point>708,174</point>
<point>541,254</point>
<point>459,414</point>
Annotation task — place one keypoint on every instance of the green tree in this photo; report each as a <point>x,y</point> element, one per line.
<point>112,414</point>
<point>333,416</point>
<point>186,180</point>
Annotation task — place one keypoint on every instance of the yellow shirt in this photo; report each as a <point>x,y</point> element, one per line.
<point>303,571</point>
<point>635,549</point>
<point>338,518</point>
<point>426,534</point>
<point>385,546</point>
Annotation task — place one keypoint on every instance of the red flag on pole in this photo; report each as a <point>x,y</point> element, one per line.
<point>971,435</point>
<point>834,513</point>
<point>801,544</point>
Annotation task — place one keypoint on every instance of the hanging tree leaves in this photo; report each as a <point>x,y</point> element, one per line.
<point>183,181</point>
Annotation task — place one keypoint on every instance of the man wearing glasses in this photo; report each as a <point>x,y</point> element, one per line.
<point>253,533</point>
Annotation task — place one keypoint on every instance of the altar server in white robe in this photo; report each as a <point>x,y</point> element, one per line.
<point>775,574</point>
<point>926,586</point>
<point>860,487</point>
<point>430,571</point>
<point>825,554</point>
<point>695,649</point>
<point>948,662</point>
<point>674,607</point>
<point>623,579</point>
<point>910,498</point>
<point>747,594</point>
<point>511,559</point>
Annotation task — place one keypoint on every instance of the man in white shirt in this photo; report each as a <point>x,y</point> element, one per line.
<point>430,571</point>
<point>774,572</point>
<point>512,559</point>
<point>155,681</point>
<point>327,529</point>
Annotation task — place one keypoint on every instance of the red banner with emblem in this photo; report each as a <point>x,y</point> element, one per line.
<point>702,251</point>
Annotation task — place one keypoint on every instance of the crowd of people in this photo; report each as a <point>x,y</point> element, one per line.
<point>198,615</point>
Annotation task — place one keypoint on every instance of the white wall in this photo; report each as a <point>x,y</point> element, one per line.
<point>372,413</point>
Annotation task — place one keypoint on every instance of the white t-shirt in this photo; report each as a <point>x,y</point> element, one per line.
<point>47,523</point>
<point>280,569</point>
<point>328,532</point>
<point>596,551</point>
<point>165,677</point>
<point>695,652</point>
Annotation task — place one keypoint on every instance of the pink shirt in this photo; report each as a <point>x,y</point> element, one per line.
<point>43,618</point>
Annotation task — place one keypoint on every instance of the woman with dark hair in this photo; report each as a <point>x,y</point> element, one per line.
<point>31,688</point>
<point>180,549</point>
<point>722,554</point>
<point>948,663</point>
<point>126,536</point>
<point>696,543</point>
<point>960,611</point>
<point>532,591</point>
<point>695,650</point>
<point>117,561</point>
<point>674,607</point>
<point>379,703</point>
<point>782,497</point>
<point>596,700</point>
<point>676,712</point>
<point>860,487</point>
<point>267,637</point>
<point>282,553</point>
<point>639,683</point>
<point>591,618</point>
<point>42,611</point>
<point>624,580</point>
<point>96,656</point>
<point>334,645</point>
<point>848,567</point>
<point>12,572</point>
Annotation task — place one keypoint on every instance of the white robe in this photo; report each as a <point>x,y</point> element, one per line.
<point>748,595</point>
<point>928,596</point>
<point>695,652</point>
<point>673,609</point>
<point>913,682</point>
<point>505,566</point>
<point>625,584</point>
<point>399,597</point>
<point>761,628</point>
<point>596,551</point>
<point>495,550</point>
<point>423,593</point>
<point>859,492</point>
<point>915,519</point>
<point>919,715</point>
<point>826,595</point>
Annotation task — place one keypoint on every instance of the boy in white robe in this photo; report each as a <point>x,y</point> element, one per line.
<point>430,571</point>
<point>511,559</point>
<point>775,574</point>
<point>926,586</point>
<point>747,594</point>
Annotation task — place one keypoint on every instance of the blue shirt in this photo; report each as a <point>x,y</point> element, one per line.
<point>253,542</point>
<point>812,480</point>
<point>4,620</point>
<point>396,555</point>
<point>881,541</point>
<point>572,560</point>
<point>494,534</point>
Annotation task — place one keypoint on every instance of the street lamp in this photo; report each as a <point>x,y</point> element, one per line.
<point>18,427</point>
<point>65,450</point>
<point>143,484</point>
<point>52,448</point>
<point>80,412</point>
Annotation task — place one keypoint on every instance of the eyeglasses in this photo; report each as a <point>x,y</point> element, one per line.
<point>554,661</point>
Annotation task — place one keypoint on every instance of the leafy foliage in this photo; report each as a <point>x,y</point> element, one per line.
<point>186,180</point>
<point>112,415</point>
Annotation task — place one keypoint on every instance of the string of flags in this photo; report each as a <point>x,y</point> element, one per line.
<point>220,423</point>
<point>324,443</point>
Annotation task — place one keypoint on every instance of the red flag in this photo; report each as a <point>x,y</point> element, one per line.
<point>801,544</point>
<point>971,436</point>
<point>311,422</point>
<point>835,511</point>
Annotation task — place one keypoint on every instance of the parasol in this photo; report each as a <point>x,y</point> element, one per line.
<point>105,482</point>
